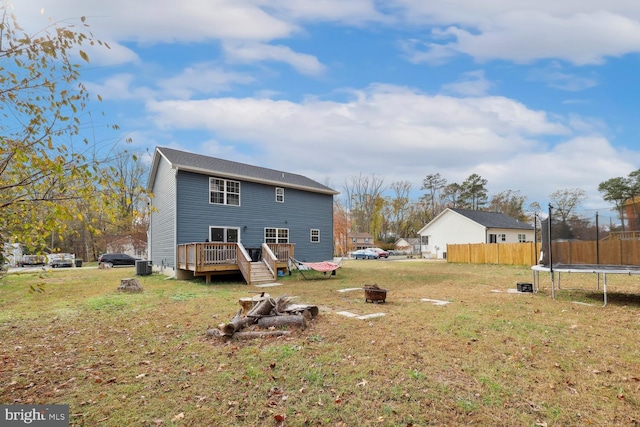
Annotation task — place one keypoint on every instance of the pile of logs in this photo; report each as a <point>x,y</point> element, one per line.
<point>271,317</point>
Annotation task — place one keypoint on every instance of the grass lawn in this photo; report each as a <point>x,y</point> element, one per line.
<point>490,357</point>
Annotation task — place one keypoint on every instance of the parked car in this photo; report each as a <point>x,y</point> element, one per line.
<point>61,260</point>
<point>365,254</point>
<point>381,252</point>
<point>34,260</point>
<point>117,259</point>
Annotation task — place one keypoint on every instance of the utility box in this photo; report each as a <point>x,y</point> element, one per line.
<point>143,267</point>
<point>524,287</point>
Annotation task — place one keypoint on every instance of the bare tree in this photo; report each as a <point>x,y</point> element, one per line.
<point>363,194</point>
<point>566,201</point>
<point>398,206</point>
<point>510,203</point>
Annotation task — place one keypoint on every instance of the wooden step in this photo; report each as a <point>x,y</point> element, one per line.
<point>260,274</point>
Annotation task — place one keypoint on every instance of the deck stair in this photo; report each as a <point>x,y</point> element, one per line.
<point>260,274</point>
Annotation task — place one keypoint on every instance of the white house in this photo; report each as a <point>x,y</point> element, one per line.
<point>408,244</point>
<point>459,226</point>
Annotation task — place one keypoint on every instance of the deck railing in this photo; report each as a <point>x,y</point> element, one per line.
<point>282,251</point>
<point>200,256</point>
<point>194,255</point>
<point>244,261</point>
<point>270,259</point>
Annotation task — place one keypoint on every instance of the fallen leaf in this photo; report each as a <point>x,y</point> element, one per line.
<point>178,417</point>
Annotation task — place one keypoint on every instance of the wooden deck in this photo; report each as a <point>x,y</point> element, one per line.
<point>211,258</point>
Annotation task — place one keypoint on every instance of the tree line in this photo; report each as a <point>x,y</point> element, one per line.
<point>366,206</point>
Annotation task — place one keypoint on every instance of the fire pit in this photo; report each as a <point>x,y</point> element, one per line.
<point>374,294</point>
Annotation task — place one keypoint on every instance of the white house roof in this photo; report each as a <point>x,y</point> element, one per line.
<point>486,219</point>
<point>198,163</point>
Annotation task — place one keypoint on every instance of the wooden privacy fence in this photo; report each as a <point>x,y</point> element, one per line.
<point>608,252</point>
<point>493,253</point>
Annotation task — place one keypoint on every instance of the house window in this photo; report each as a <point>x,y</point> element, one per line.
<point>353,239</point>
<point>424,240</point>
<point>224,192</point>
<point>276,235</point>
<point>315,235</point>
<point>279,194</point>
<point>522,238</point>
<point>503,237</point>
<point>366,240</point>
<point>224,234</point>
<point>492,238</point>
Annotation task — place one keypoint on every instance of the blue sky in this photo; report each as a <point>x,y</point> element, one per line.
<point>535,96</point>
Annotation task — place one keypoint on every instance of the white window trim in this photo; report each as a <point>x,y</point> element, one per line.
<point>225,232</point>
<point>277,233</point>
<point>279,194</point>
<point>311,232</point>
<point>224,191</point>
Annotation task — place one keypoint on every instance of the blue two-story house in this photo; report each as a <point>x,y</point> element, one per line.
<point>212,216</point>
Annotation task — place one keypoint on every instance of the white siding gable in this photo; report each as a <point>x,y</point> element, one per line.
<point>450,227</point>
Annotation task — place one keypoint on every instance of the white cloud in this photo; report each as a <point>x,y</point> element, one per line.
<point>554,76</point>
<point>401,134</point>
<point>256,52</point>
<point>353,12</point>
<point>201,79</point>
<point>119,87</point>
<point>152,21</point>
<point>578,32</point>
<point>472,83</point>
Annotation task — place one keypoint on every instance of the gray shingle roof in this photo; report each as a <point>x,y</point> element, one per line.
<point>493,219</point>
<point>228,169</point>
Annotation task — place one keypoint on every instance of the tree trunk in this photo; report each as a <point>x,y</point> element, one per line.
<point>236,324</point>
<point>245,335</point>
<point>294,320</point>
<point>262,308</point>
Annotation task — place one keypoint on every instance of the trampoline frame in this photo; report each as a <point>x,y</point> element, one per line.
<point>598,270</point>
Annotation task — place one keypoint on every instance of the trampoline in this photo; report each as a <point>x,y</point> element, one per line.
<point>556,269</point>
<point>600,271</point>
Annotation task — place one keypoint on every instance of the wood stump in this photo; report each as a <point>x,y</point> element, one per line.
<point>130,285</point>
